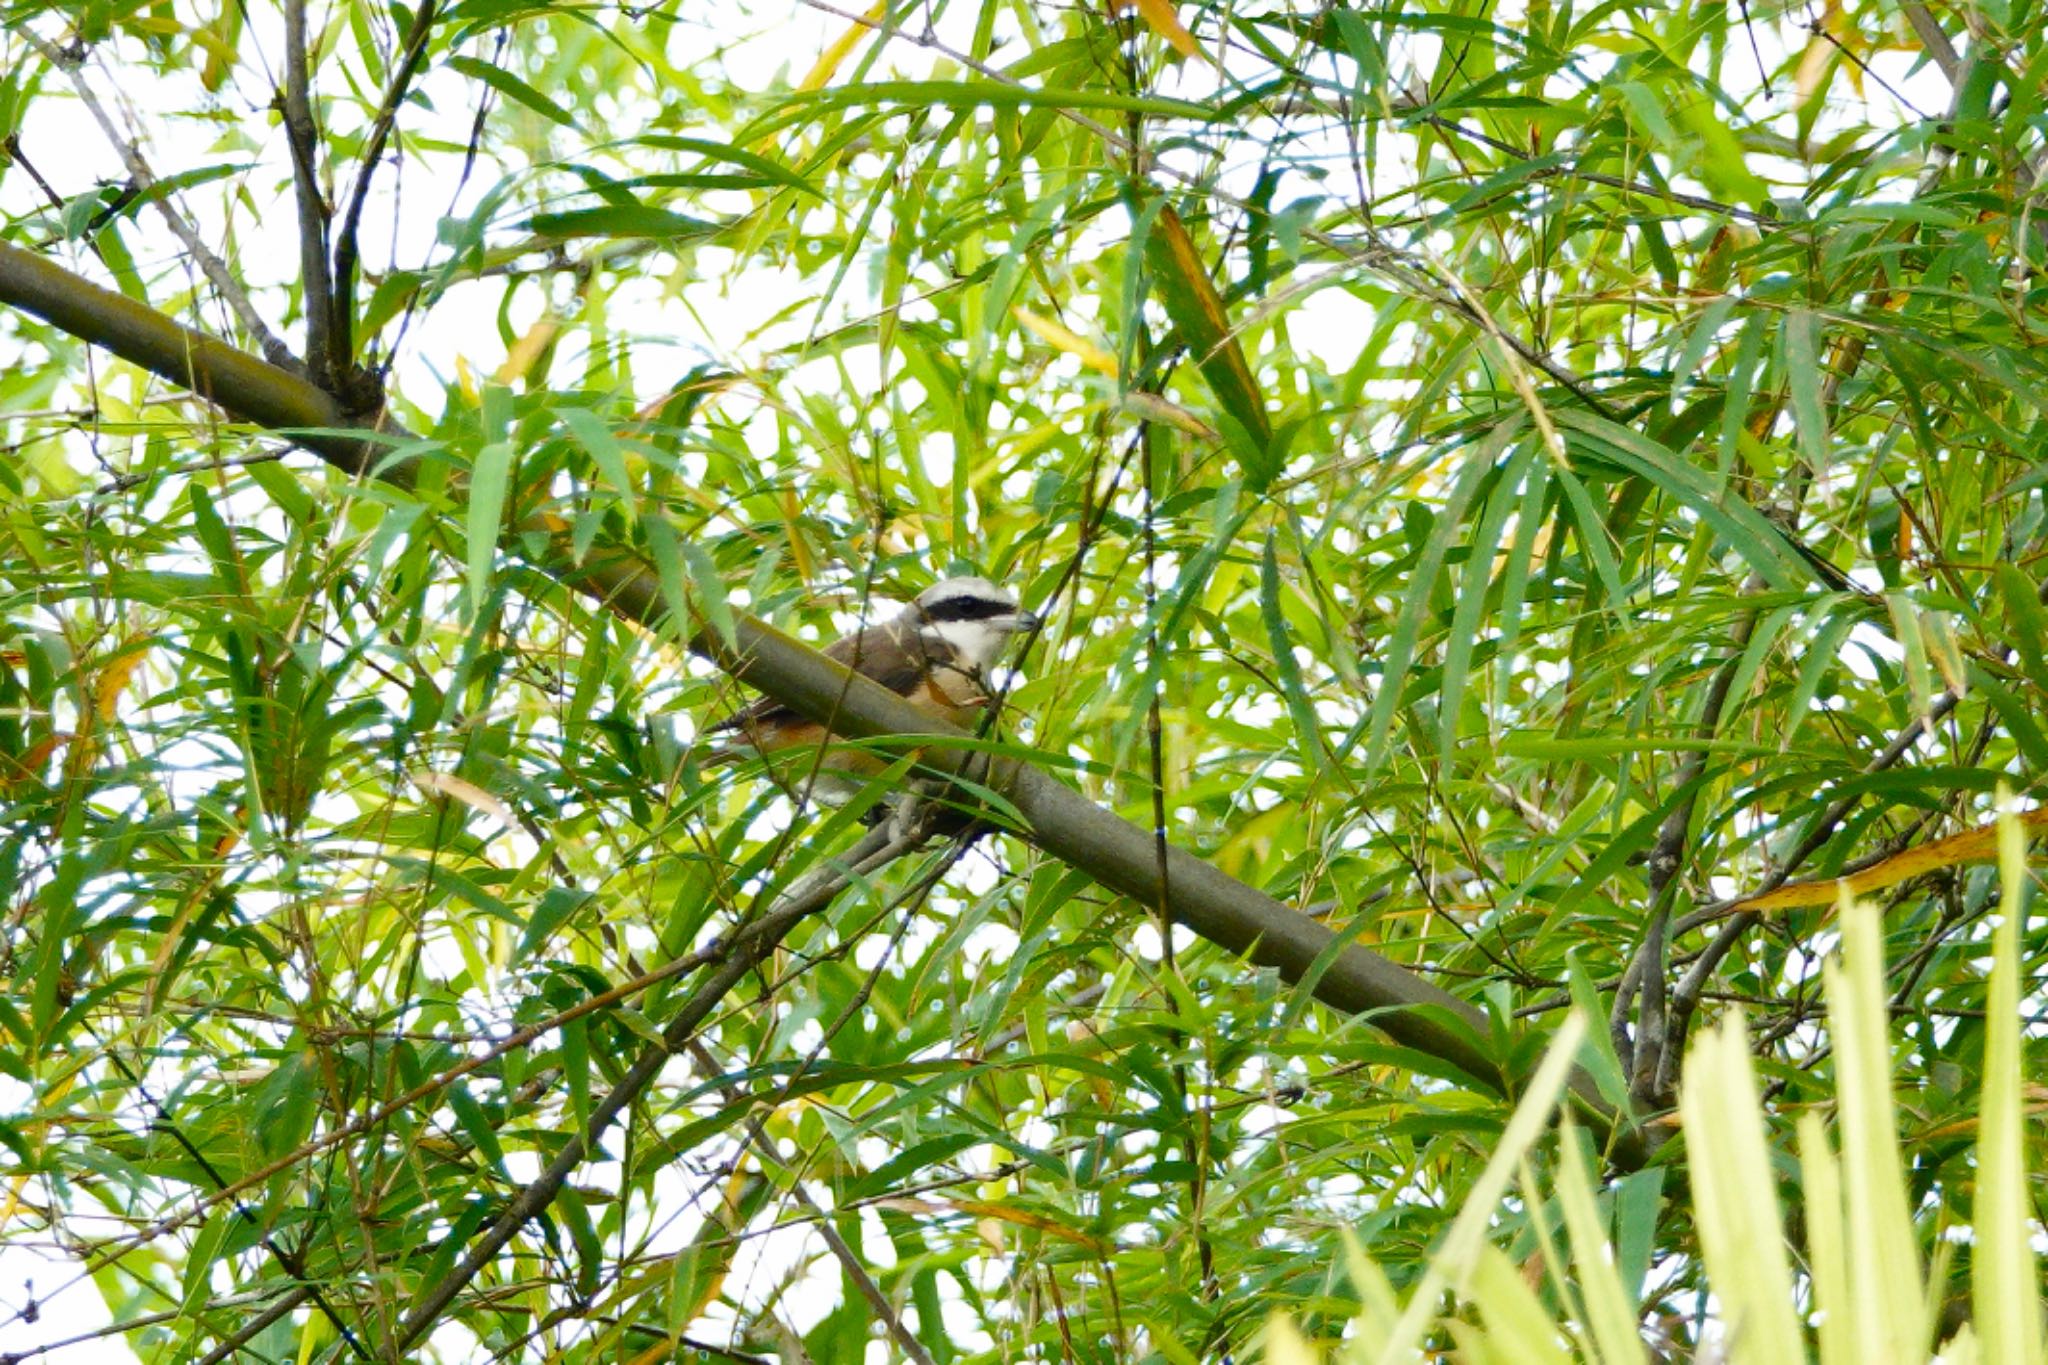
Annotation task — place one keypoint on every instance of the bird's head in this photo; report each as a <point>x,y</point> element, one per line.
<point>974,616</point>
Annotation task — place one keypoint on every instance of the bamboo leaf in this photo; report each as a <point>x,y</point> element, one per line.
<point>1308,729</point>
<point>606,453</point>
<point>620,220</point>
<point>1750,535</point>
<point>1198,315</point>
<point>1803,376</point>
<point>512,88</point>
<point>1400,650</point>
<point>489,485</point>
<point>1734,1195</point>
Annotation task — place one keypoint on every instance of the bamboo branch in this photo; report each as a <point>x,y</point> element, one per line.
<point>249,389</point>
<point>302,136</point>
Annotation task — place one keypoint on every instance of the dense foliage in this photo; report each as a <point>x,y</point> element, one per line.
<point>1509,481</point>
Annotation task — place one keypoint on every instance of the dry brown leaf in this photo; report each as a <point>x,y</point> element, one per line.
<point>1979,845</point>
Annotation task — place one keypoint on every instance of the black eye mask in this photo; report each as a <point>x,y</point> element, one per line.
<point>967,609</point>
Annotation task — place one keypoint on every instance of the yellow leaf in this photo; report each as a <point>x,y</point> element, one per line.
<point>53,468</point>
<point>1979,845</point>
<point>1285,1345</point>
<point>792,521</point>
<point>114,676</point>
<point>828,61</point>
<point>1060,339</point>
<point>1160,18</point>
<point>527,349</point>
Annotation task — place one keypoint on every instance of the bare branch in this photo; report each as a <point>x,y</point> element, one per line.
<point>345,245</point>
<point>1928,30</point>
<point>144,181</point>
<point>248,388</point>
<point>244,1334</point>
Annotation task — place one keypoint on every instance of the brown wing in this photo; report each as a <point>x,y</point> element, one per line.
<point>888,652</point>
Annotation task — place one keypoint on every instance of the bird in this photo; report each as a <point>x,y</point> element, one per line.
<point>936,654</point>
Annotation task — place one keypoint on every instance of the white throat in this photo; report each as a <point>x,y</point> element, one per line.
<point>977,644</point>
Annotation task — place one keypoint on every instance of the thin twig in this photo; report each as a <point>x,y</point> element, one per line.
<point>127,1325</point>
<point>294,1262</point>
<point>242,1335</point>
<point>1614,182</point>
<point>345,244</point>
<point>144,182</point>
<point>124,482</point>
<point>512,1042</point>
<point>1685,1000</point>
<point>746,949</point>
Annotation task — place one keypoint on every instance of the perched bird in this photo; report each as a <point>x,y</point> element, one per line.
<point>936,655</point>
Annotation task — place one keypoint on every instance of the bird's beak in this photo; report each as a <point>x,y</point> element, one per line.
<point>1027,620</point>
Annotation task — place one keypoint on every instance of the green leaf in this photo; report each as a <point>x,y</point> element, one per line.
<point>978,94</point>
<point>595,436</point>
<point>1803,376</point>
<point>665,549</point>
<point>1308,729</point>
<point>765,167</point>
<point>512,88</point>
<point>620,220</point>
<point>476,1126</point>
<point>1422,585</point>
<point>1474,581</point>
<point>1746,531</point>
<point>707,591</point>
<point>550,912</point>
<point>489,484</point>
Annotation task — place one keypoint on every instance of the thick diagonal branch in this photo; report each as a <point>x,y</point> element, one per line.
<point>1056,818</point>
